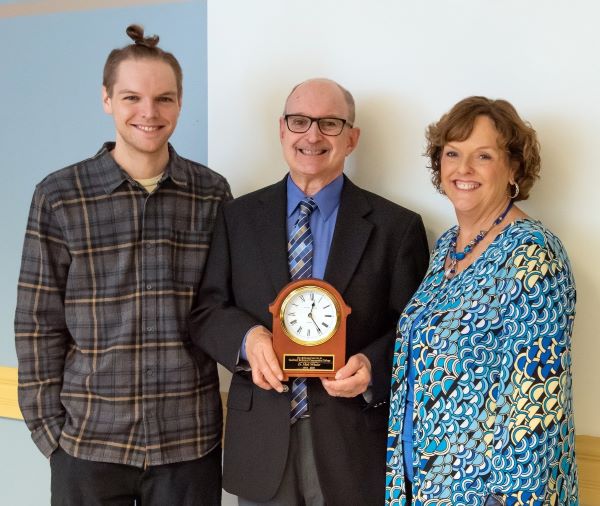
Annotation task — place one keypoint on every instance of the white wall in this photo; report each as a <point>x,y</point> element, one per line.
<point>406,63</point>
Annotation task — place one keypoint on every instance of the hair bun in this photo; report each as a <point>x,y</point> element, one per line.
<point>136,33</point>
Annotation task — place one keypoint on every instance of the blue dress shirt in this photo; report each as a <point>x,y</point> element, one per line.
<point>322,219</point>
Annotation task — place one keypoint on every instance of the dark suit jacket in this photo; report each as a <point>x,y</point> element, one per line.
<point>377,259</point>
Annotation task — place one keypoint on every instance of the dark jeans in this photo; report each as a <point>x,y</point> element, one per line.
<point>78,482</point>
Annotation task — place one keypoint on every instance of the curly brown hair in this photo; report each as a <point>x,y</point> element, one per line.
<point>142,47</point>
<point>515,136</point>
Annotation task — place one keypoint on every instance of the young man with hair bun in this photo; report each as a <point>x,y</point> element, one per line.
<point>114,250</point>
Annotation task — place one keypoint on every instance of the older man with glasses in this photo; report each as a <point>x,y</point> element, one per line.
<point>315,441</point>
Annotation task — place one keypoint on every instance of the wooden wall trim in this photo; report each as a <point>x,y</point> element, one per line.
<point>9,406</point>
<point>587,447</point>
<point>41,7</point>
<point>588,460</point>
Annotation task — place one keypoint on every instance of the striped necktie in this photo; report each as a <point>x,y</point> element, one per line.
<point>300,258</point>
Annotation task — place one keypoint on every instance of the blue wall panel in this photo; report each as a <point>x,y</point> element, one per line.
<point>50,82</point>
<point>51,116</point>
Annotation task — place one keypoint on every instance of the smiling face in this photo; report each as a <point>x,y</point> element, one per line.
<point>315,159</point>
<point>145,107</point>
<point>475,173</point>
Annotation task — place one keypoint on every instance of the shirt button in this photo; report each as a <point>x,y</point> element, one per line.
<point>149,372</point>
<point>149,329</point>
<point>148,286</point>
<point>149,245</point>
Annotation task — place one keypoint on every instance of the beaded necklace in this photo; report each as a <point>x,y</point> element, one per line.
<point>457,256</point>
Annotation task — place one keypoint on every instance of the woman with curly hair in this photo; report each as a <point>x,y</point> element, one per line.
<point>481,408</point>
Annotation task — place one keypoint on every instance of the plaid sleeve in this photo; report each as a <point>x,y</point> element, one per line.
<point>40,330</point>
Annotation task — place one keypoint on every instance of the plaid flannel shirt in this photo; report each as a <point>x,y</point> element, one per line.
<point>108,275</point>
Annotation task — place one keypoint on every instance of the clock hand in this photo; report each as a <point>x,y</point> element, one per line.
<point>313,320</point>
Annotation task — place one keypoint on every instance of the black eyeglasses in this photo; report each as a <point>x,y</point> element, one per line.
<point>300,124</point>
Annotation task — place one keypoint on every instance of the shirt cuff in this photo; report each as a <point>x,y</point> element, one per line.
<point>242,360</point>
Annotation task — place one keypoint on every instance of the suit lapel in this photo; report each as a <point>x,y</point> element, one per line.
<point>352,232</point>
<point>272,233</point>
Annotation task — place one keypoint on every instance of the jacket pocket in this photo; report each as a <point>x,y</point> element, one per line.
<point>240,397</point>
<point>377,417</point>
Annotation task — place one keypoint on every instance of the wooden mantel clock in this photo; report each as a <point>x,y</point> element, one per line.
<point>309,329</point>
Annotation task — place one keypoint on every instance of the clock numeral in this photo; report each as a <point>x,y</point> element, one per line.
<point>328,305</point>
<point>312,296</point>
<point>307,332</point>
<point>291,314</point>
<point>325,325</point>
<point>302,297</point>
<point>299,329</point>
<point>293,322</point>
<point>328,316</point>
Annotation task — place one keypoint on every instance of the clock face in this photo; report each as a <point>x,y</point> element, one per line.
<point>310,315</point>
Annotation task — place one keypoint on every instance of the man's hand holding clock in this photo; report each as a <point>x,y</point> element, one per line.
<point>350,381</point>
<point>308,313</point>
<point>266,372</point>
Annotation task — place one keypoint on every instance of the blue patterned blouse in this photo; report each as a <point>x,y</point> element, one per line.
<point>491,352</point>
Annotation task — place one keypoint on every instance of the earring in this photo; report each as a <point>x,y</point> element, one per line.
<point>513,194</point>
